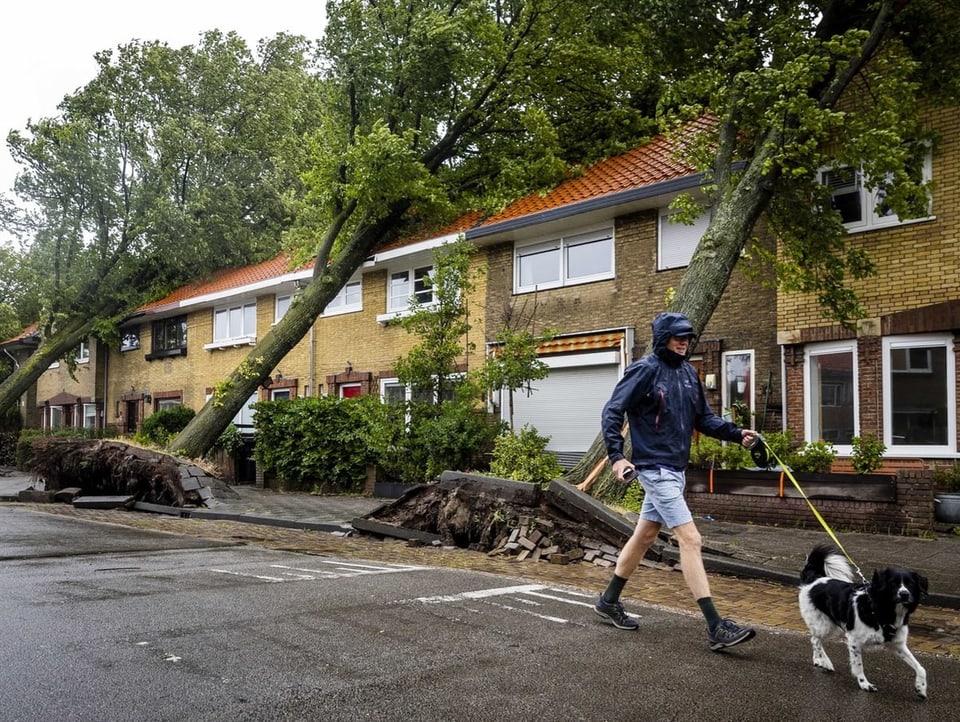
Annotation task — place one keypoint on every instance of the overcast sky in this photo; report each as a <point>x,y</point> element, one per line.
<point>47,48</point>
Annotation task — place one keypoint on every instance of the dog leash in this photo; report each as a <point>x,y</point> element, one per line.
<point>823,522</point>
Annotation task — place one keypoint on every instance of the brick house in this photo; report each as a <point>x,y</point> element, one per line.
<point>895,377</point>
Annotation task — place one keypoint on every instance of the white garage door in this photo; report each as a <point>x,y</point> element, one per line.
<point>566,406</point>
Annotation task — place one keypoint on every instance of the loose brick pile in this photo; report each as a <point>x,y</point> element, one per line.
<point>532,540</point>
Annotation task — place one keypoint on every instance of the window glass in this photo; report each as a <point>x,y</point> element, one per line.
<point>831,389</point>
<point>920,396</point>
<point>235,322</point>
<point>130,340</point>
<point>89,416</point>
<point>589,258</point>
<point>170,334</point>
<point>737,390</point>
<point>539,266</point>
<point>165,404</point>
<point>283,305</point>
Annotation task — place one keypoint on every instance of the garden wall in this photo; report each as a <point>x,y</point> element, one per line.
<point>897,504</point>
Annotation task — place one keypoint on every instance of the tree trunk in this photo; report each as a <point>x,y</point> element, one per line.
<point>50,350</point>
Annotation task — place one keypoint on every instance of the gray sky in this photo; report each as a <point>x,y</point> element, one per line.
<point>47,48</point>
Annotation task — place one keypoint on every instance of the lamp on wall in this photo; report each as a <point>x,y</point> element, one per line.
<point>278,377</point>
<point>147,398</point>
<point>349,368</point>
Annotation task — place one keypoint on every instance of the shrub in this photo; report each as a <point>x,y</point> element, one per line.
<point>159,428</point>
<point>523,457</point>
<point>706,453</point>
<point>317,443</point>
<point>947,476</point>
<point>814,456</point>
<point>867,453</point>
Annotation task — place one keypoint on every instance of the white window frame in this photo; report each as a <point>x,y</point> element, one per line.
<point>245,335</point>
<point>284,393</point>
<point>563,275</point>
<point>349,299</point>
<point>165,404</point>
<point>83,352</point>
<point>870,199</point>
<point>89,416</point>
<point>398,301</point>
<point>811,398</point>
<point>945,341</point>
<point>281,305</point>
<point>677,242</point>
<point>729,376</point>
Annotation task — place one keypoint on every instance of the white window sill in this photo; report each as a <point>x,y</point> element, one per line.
<point>231,343</point>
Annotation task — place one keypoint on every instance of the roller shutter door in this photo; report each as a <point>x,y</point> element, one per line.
<point>566,407</point>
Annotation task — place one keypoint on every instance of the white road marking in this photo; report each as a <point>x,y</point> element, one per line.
<point>526,594</point>
<point>341,570</point>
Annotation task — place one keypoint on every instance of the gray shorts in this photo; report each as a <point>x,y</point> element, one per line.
<point>663,500</point>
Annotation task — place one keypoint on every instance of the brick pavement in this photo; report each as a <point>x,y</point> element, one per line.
<point>934,630</point>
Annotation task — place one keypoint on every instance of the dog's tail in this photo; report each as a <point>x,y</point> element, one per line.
<point>825,560</point>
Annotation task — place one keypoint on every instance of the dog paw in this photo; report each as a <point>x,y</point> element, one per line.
<point>921,691</point>
<point>867,686</point>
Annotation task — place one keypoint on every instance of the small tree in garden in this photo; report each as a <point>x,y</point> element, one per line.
<point>515,362</point>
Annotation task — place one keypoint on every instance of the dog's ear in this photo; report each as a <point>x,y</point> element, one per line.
<point>921,584</point>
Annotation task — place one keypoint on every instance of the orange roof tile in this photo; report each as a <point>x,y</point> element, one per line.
<point>229,278</point>
<point>659,160</point>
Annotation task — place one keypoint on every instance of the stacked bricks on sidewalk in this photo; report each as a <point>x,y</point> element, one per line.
<point>531,540</point>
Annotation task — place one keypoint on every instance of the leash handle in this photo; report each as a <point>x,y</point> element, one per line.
<point>823,522</point>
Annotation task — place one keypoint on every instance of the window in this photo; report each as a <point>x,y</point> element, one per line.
<point>130,340</point>
<point>167,403</point>
<point>830,384</point>
<point>350,391</point>
<point>408,285</point>
<point>860,207</point>
<point>565,261</point>
<point>89,416</point>
<point>349,299</point>
<point>281,308</point>
<point>676,241</point>
<point>394,392</point>
<point>83,353</point>
<point>276,394</point>
<point>919,395</point>
<point>737,392</point>
<point>169,337</point>
<point>234,326</point>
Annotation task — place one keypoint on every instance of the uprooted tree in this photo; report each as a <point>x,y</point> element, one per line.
<point>794,88</point>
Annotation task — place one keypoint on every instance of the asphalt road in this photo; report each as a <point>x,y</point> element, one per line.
<point>101,622</point>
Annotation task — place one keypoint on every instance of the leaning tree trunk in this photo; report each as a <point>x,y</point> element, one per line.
<point>65,339</point>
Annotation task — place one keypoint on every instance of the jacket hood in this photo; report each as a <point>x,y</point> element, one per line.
<point>669,324</point>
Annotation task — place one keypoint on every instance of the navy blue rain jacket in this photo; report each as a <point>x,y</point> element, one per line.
<point>662,398</point>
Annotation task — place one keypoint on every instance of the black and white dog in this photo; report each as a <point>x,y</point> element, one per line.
<point>868,614</point>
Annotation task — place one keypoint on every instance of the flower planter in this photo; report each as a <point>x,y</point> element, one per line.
<point>946,507</point>
<point>869,487</point>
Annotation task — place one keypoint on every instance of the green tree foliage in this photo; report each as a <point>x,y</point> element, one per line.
<point>431,107</point>
<point>170,163</point>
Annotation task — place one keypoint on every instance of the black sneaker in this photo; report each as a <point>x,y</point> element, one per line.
<point>727,634</point>
<point>615,614</point>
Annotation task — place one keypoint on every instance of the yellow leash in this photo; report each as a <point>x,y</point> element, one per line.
<point>823,522</point>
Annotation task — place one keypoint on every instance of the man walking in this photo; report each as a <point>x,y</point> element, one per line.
<point>663,401</point>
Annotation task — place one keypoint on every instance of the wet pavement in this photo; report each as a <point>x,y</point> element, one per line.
<point>754,568</point>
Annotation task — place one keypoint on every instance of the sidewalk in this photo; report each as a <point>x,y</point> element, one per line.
<point>743,550</point>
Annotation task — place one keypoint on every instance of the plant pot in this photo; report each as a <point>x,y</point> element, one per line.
<point>946,507</point>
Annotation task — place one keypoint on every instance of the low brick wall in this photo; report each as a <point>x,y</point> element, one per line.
<point>910,514</point>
